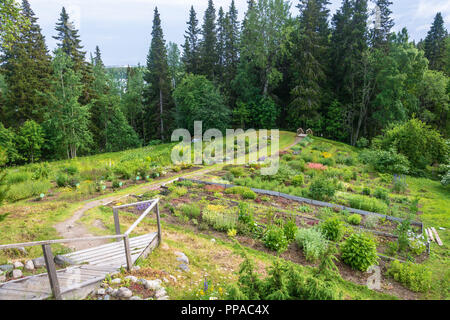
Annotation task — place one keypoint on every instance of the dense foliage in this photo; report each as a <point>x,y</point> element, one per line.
<point>346,80</point>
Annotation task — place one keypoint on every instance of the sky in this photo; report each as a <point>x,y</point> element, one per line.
<point>122,28</point>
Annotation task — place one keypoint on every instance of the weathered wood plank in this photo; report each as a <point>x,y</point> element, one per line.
<point>436,235</point>
<point>430,234</point>
<point>52,277</point>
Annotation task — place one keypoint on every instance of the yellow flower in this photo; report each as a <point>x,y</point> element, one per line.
<point>202,292</point>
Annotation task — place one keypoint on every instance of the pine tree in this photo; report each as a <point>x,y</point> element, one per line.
<point>310,49</point>
<point>27,70</point>
<point>132,100</point>
<point>70,43</point>
<point>383,24</point>
<point>232,34</point>
<point>434,44</point>
<point>221,37</point>
<point>158,101</point>
<point>175,65</point>
<point>209,56</point>
<point>191,47</point>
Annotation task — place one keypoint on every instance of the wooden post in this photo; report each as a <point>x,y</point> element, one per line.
<point>126,242</point>
<point>116,222</point>
<point>158,222</point>
<point>51,271</point>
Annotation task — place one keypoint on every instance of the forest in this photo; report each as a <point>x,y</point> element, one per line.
<point>340,75</point>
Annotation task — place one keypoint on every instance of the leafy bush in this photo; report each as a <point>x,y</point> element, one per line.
<point>362,143</point>
<point>71,170</point>
<point>400,185</point>
<point>245,192</point>
<point>62,180</point>
<point>290,229</point>
<point>366,191</point>
<point>381,193</point>
<point>359,251</point>
<point>275,239</point>
<point>313,242</point>
<point>354,219</point>
<point>298,180</point>
<point>385,161</point>
<point>366,203</point>
<point>333,229</point>
<point>17,177</point>
<point>237,172</point>
<point>418,142</point>
<point>245,213</point>
<point>297,164</point>
<point>190,210</point>
<point>218,218</point>
<point>321,189</point>
<point>414,276</point>
<point>26,190</point>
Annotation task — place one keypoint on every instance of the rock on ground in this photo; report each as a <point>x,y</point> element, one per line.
<point>135,298</point>
<point>39,262</point>
<point>182,257</point>
<point>18,265</point>
<point>184,267</point>
<point>132,278</point>
<point>124,293</point>
<point>153,285</point>
<point>29,265</point>
<point>63,261</point>
<point>7,267</point>
<point>17,273</point>
<point>116,281</point>
<point>2,278</point>
<point>101,292</point>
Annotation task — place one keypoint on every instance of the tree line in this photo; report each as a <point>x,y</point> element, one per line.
<point>342,76</point>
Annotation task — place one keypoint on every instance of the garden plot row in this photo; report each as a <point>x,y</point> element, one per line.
<point>310,201</point>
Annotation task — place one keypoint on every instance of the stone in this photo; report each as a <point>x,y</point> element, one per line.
<point>173,278</point>
<point>101,292</point>
<point>124,293</point>
<point>160,293</point>
<point>142,281</point>
<point>109,291</point>
<point>182,257</point>
<point>39,262</point>
<point>135,298</point>
<point>107,297</point>
<point>213,240</point>
<point>2,278</point>
<point>116,281</point>
<point>183,267</point>
<point>18,265</point>
<point>114,292</point>
<point>132,278</point>
<point>7,267</point>
<point>163,298</point>
<point>29,265</point>
<point>135,268</point>
<point>165,280</point>
<point>22,250</point>
<point>63,261</point>
<point>153,285</point>
<point>17,273</point>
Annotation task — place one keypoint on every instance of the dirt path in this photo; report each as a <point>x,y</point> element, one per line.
<point>73,228</point>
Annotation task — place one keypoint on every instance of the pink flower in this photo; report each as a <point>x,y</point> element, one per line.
<point>316,166</point>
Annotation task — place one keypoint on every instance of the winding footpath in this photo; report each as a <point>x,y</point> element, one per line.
<point>73,228</point>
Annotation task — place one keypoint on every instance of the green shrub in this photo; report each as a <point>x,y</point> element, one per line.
<point>381,193</point>
<point>245,192</point>
<point>275,239</point>
<point>237,172</point>
<point>321,189</point>
<point>366,191</point>
<point>313,242</point>
<point>333,229</point>
<point>297,164</point>
<point>354,219</point>
<point>71,170</point>
<point>367,203</point>
<point>400,185</point>
<point>26,190</point>
<point>17,177</point>
<point>385,161</point>
<point>359,251</point>
<point>298,180</point>
<point>62,180</point>
<point>190,210</point>
<point>290,229</point>
<point>414,276</point>
<point>245,213</point>
<point>116,184</point>
<point>218,218</point>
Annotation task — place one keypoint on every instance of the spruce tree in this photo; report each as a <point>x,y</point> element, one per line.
<point>191,47</point>
<point>158,101</point>
<point>27,70</point>
<point>310,49</point>
<point>231,50</point>
<point>209,56</point>
<point>221,36</point>
<point>383,24</point>
<point>434,44</point>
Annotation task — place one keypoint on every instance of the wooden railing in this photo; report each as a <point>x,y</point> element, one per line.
<point>47,251</point>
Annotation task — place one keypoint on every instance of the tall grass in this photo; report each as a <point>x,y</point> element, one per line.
<point>25,190</point>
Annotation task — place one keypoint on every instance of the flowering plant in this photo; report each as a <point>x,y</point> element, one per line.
<point>316,166</point>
